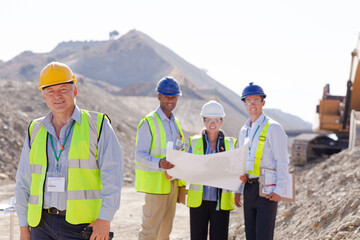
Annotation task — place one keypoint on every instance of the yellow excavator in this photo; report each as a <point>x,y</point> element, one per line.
<point>339,121</point>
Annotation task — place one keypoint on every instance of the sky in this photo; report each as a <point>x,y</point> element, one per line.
<point>290,48</point>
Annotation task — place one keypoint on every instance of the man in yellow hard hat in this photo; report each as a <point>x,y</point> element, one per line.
<point>70,171</point>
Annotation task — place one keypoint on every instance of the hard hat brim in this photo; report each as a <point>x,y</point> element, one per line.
<point>171,94</point>
<point>212,115</point>
<point>71,81</point>
<point>249,95</point>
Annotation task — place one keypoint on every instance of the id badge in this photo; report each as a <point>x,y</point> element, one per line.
<point>55,182</point>
<point>250,165</point>
<point>179,145</point>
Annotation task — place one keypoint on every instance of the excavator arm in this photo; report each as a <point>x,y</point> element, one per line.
<point>338,115</point>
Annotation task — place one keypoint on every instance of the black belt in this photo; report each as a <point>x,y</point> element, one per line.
<point>253,180</point>
<point>55,211</point>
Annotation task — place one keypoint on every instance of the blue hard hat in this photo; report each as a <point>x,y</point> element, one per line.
<point>168,86</point>
<point>252,90</point>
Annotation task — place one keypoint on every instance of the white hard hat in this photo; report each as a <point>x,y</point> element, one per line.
<point>212,109</point>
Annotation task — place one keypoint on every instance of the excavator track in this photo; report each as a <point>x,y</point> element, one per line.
<point>308,146</point>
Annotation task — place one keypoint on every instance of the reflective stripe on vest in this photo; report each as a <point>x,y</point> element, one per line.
<point>151,180</point>
<point>84,184</point>
<point>195,191</point>
<point>259,150</point>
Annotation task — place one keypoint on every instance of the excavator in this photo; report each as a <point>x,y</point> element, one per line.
<point>338,121</point>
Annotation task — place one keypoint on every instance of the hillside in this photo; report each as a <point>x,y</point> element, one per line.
<point>117,77</point>
<point>131,66</point>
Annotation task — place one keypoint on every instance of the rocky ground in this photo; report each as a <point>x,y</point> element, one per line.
<point>327,205</point>
<point>127,221</point>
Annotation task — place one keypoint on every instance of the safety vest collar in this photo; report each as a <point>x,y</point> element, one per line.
<point>257,122</point>
<point>197,145</point>
<point>162,115</point>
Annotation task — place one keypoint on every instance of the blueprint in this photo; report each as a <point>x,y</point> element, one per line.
<point>220,170</point>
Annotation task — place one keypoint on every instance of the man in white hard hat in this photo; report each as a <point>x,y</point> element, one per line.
<point>70,171</point>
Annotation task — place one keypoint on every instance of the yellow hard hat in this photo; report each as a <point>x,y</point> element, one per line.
<point>55,73</point>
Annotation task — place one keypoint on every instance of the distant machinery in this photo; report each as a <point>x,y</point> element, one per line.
<point>339,121</point>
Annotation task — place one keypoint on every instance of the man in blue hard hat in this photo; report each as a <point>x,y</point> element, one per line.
<point>267,148</point>
<point>153,134</point>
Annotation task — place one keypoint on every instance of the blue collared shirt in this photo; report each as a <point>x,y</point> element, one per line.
<point>110,159</point>
<point>275,153</point>
<point>142,151</point>
<point>209,193</point>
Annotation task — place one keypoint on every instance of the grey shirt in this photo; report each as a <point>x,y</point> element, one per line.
<point>110,159</point>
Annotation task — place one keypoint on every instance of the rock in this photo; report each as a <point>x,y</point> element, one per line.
<point>343,227</point>
<point>339,235</point>
<point>356,222</point>
<point>355,204</point>
<point>3,176</point>
<point>128,179</point>
<point>287,214</point>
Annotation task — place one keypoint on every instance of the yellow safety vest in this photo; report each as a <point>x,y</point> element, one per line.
<point>259,150</point>
<point>195,192</point>
<point>151,180</point>
<point>84,184</point>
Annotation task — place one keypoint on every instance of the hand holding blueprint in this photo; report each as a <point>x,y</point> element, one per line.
<point>220,170</point>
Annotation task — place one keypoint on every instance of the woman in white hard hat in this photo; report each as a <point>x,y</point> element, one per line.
<point>210,205</point>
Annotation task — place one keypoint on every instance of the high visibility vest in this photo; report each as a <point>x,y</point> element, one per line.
<point>195,191</point>
<point>151,180</point>
<point>259,150</point>
<point>83,189</point>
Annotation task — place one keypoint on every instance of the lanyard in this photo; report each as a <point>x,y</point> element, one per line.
<point>61,145</point>
<point>251,141</point>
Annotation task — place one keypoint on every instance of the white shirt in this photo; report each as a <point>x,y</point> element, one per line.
<point>275,153</point>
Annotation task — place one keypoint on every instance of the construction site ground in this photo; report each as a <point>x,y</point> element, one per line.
<point>327,205</point>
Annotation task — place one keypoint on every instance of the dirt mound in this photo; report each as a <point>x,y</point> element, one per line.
<point>327,201</point>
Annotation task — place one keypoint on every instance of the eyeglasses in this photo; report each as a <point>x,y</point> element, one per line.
<point>251,102</point>
<point>209,120</point>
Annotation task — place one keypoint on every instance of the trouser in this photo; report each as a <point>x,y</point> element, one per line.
<point>158,214</point>
<point>200,218</point>
<point>55,227</point>
<point>259,214</point>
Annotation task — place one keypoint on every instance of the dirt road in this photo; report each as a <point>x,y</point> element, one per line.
<point>127,220</point>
